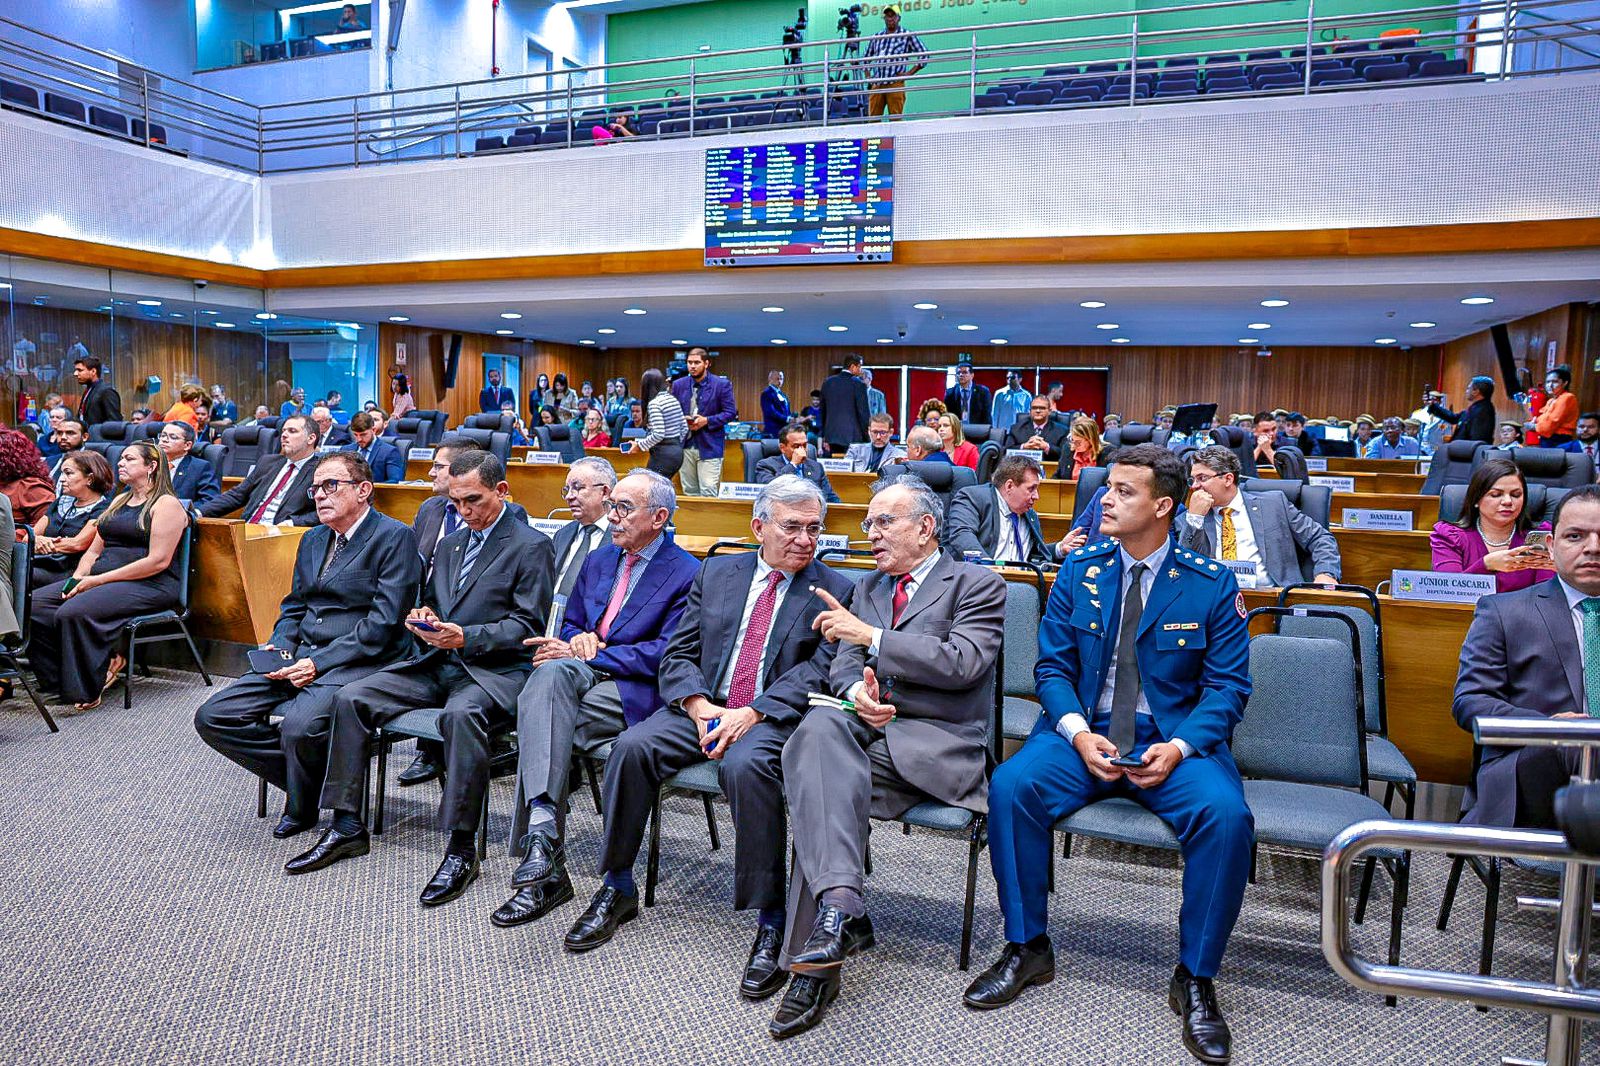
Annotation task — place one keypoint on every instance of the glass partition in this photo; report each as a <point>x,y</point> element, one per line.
<point>232,33</point>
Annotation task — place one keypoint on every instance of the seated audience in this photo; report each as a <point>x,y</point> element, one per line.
<point>520,436</point>
<point>1588,442</point>
<point>1260,527</point>
<point>594,429</point>
<point>388,466</point>
<point>928,414</point>
<point>1524,658</point>
<point>139,416</point>
<point>489,592</point>
<point>189,397</point>
<point>1491,534</point>
<point>794,459</point>
<point>129,569</point>
<point>962,452</point>
<point>295,404</point>
<point>69,438</point>
<point>278,490</point>
<point>1294,434</point>
<point>329,433</point>
<point>205,433</point>
<point>870,457</point>
<point>998,520</point>
<point>1115,422</point>
<point>1393,443</point>
<point>1557,420</point>
<point>1084,440</point>
<point>24,479</point>
<point>52,420</point>
<point>224,412</point>
<point>193,479</point>
<point>549,415</point>
<point>355,577</point>
<point>1039,432</point>
<point>262,411</point>
<point>596,679</point>
<point>1508,435</point>
<point>66,530</point>
<point>1365,433</point>
<point>924,446</point>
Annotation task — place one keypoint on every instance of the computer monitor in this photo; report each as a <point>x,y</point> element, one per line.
<point>1335,433</point>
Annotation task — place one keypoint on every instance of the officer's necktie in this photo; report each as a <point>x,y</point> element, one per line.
<point>1230,539</point>
<point>470,557</point>
<point>1126,696</point>
<point>1591,655</point>
<point>339,542</point>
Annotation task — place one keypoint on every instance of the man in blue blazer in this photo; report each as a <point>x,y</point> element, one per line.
<point>494,395</point>
<point>708,406</point>
<point>796,461</point>
<point>596,679</point>
<point>775,409</point>
<point>388,465</point>
<point>193,479</point>
<point>1143,655</point>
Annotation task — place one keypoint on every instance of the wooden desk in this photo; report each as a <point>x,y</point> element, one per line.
<point>245,571</point>
<point>1424,509</point>
<point>1369,484</point>
<point>1340,465</point>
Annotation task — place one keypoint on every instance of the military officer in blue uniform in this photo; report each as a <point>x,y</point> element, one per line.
<point>1143,673</point>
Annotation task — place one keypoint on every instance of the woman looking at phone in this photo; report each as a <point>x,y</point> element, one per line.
<point>1491,536</point>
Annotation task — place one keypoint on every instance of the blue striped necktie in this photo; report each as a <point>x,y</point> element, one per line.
<point>474,546</point>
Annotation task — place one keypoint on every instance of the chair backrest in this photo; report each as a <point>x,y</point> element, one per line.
<point>149,429</point>
<point>1369,655</point>
<point>560,438</point>
<point>1138,433</point>
<point>1090,481</point>
<point>1452,464</point>
<point>976,432</point>
<point>1296,731</point>
<point>495,421</point>
<point>22,590</point>
<point>943,478</point>
<point>116,432</point>
<point>1024,612</point>
<point>989,455</point>
<point>185,544</point>
<point>435,421</point>
<point>754,451</point>
<point>1540,503</point>
<point>270,422</point>
<point>213,454</point>
<point>496,443</point>
<point>1290,463</point>
<point>1315,501</point>
<point>1239,441</point>
<point>1551,466</point>
<point>244,447</point>
<point>110,449</point>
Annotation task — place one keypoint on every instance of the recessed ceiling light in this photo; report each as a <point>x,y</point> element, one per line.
<point>677,342</point>
<point>103,307</point>
<point>1478,301</point>
<point>1119,340</point>
<point>510,316</point>
<point>504,332</point>
<point>1107,325</point>
<point>350,325</point>
<point>174,314</point>
<point>1423,325</point>
<point>265,316</point>
<point>998,340</point>
<point>885,340</point>
<point>5,284</point>
<point>1258,325</point>
<point>837,329</point>
<point>606,331</point>
<point>716,329</point>
<point>587,340</point>
<point>1274,303</point>
<point>1093,305</point>
<point>209,312</point>
<point>773,310</point>
<point>398,318</point>
<point>1249,340</point>
<point>224,325</point>
<point>157,303</point>
<point>966,327</point>
<point>1383,340</point>
<point>925,306</point>
<point>633,311</point>
<point>779,340</point>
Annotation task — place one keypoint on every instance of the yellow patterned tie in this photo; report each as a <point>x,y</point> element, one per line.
<point>1230,542</point>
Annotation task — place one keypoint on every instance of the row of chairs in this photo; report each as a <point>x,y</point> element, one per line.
<point>706,117</point>
<point>1458,460</point>
<point>69,109</point>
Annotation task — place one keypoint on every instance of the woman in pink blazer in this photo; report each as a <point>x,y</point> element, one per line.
<point>1491,535</point>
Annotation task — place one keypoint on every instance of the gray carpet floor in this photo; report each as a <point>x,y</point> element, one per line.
<point>147,919</point>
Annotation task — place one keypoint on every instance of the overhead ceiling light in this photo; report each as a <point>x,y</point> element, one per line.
<point>265,316</point>
<point>1478,301</point>
<point>779,340</point>
<point>174,314</point>
<point>716,329</point>
<point>1092,304</point>
<point>1249,340</point>
<point>998,340</point>
<point>1423,325</point>
<point>885,340</point>
<point>157,303</point>
<point>103,307</point>
<point>606,331</point>
<point>966,327</point>
<point>1274,303</point>
<point>398,318</point>
<point>677,342</point>
<point>925,306</point>
<point>504,332</point>
<point>1258,325</point>
<point>223,325</point>
<point>838,329</point>
<point>588,340</point>
<point>633,311</point>
<point>209,312</point>
<point>773,310</point>
<point>1119,340</point>
<point>1107,325</point>
<point>350,325</point>
<point>510,316</point>
<point>1383,340</point>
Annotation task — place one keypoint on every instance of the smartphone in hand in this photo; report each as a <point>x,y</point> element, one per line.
<point>424,625</point>
<point>1538,538</point>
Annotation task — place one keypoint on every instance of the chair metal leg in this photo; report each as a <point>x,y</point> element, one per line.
<point>38,704</point>
<point>127,672</point>
<point>1409,794</point>
<point>711,821</point>
<point>1388,795</point>
<point>1050,874</point>
<point>1366,889</point>
<point>593,769</point>
<point>382,744</point>
<point>483,828</point>
<point>1491,915</point>
<point>261,797</point>
<point>1401,875</point>
<point>1066,845</point>
<point>652,864</point>
<point>972,891</point>
<point>1450,885</point>
<point>1252,879</point>
<point>193,650</point>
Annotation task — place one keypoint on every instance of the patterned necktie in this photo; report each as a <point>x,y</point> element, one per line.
<point>575,564</point>
<point>474,546</point>
<point>1230,539</point>
<point>619,593</point>
<point>1591,655</point>
<point>339,541</point>
<point>1126,696</point>
<point>742,689</point>
<point>902,596</point>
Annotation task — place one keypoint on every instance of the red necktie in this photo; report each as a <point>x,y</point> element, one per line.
<point>902,596</point>
<point>283,483</point>
<point>618,595</point>
<point>743,687</point>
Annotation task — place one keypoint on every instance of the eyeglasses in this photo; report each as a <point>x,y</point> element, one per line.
<point>436,467</point>
<point>328,488</point>
<point>794,529</point>
<point>620,508</point>
<point>572,488</point>
<point>884,521</point>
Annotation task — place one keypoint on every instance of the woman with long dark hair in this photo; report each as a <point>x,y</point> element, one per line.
<point>67,529</point>
<point>537,396</point>
<point>24,478</point>
<point>402,402</point>
<point>663,417</point>
<point>562,398</point>
<point>130,569</point>
<point>1491,535</point>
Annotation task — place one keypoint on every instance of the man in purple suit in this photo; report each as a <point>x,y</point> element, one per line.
<point>595,680</point>
<point>708,405</point>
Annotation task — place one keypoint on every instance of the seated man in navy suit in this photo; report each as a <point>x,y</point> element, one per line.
<point>795,461</point>
<point>388,465</point>
<point>1143,655</point>
<point>735,677</point>
<point>593,681</point>
<point>998,520</point>
<point>193,479</point>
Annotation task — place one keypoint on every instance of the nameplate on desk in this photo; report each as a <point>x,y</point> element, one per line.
<point>1032,453</point>
<point>1243,570</point>
<point>544,458</point>
<point>1336,483</point>
<point>833,542</point>
<point>1316,463</point>
<point>548,526</point>
<point>738,490</point>
<point>420,453</point>
<point>835,466</point>
<point>1377,518</point>
<point>1440,588</point>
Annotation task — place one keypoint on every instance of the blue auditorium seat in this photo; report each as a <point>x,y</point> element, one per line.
<point>1352,47</point>
<point>18,95</point>
<point>553,136</point>
<point>65,107</point>
<point>1180,61</point>
<point>1334,77</point>
<point>488,144</point>
<point>158,132</point>
<point>1060,72</point>
<point>1442,68</point>
<point>1279,81</point>
<point>1102,68</point>
<point>1418,56</point>
<point>104,118</point>
<point>528,130</point>
<point>1263,57</point>
<point>1051,86</point>
<point>1238,84</point>
<point>985,101</point>
<point>522,140</point>
<point>1034,98</point>
<point>1078,96</point>
<point>1387,72</point>
<point>673,127</point>
<point>1268,70</point>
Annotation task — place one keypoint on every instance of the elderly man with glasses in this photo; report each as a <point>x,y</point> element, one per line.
<point>911,655</point>
<point>596,679</point>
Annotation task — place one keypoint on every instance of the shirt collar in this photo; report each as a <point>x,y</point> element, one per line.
<point>1574,597</point>
<point>763,568</point>
<point>350,534</point>
<point>504,509</point>
<point>648,552</point>
<point>920,572</point>
<point>1154,560</point>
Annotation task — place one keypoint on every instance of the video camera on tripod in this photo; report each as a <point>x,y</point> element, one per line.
<point>849,24</point>
<point>793,37</point>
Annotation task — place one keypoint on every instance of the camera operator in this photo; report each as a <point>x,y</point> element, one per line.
<point>893,55</point>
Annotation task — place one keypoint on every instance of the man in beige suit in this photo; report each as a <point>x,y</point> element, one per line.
<point>914,650</point>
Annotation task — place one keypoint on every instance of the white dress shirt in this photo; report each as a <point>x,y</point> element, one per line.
<point>1007,547</point>
<point>603,537</point>
<point>1244,534</point>
<point>919,574</point>
<point>758,585</point>
<point>270,515</point>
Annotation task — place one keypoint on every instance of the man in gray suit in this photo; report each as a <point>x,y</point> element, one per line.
<point>795,461</point>
<point>998,521</point>
<point>913,650</point>
<point>877,452</point>
<point>1259,527</point>
<point>1531,654</point>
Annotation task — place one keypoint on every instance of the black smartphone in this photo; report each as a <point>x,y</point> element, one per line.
<point>1126,761</point>
<point>265,661</point>
<point>424,625</point>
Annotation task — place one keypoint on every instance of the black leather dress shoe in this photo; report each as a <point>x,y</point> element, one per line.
<point>421,770</point>
<point>834,937</point>
<point>455,873</point>
<point>598,923</point>
<point>333,846</point>
<point>290,826</point>
<point>533,902</point>
<point>1205,1031</point>
<point>546,860</point>
<point>1018,969</point>
<point>762,976</point>
<point>804,1004</point>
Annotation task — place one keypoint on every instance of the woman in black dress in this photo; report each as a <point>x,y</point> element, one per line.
<point>129,570</point>
<point>66,530</point>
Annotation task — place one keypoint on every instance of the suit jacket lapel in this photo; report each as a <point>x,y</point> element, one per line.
<point>1162,593</point>
<point>996,531</point>
<point>486,555</point>
<point>929,590</point>
<point>644,588</point>
<point>1558,621</point>
<point>724,624</point>
<point>352,547</point>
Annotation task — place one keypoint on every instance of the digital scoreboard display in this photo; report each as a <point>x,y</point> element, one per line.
<point>819,202</point>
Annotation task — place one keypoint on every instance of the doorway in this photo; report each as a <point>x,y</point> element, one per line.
<point>510,367</point>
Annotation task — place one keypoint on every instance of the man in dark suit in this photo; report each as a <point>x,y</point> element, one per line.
<point>100,402</point>
<point>967,399</point>
<point>775,409</point>
<point>1144,654</point>
<point>489,591</point>
<point>193,479</point>
<point>842,415</point>
<point>277,491</point>
<point>795,461</point>
<point>492,395</point>
<point>69,436</point>
<point>914,650</point>
<point>1535,653</point>
<point>1294,434</point>
<point>735,677</point>
<point>1259,527</point>
<point>593,681</point>
<point>330,432</point>
<point>388,465</point>
<point>878,451</point>
<point>355,577</point>
<point>998,520</point>
<point>708,406</point>
<point>1038,432</point>
<point>1477,421</point>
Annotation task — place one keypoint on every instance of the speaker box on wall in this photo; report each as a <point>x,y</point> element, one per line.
<point>452,362</point>
<point>1508,361</point>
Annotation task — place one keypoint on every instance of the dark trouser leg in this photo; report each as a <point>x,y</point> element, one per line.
<point>1540,772</point>
<point>291,757</point>
<point>44,646</point>
<point>644,756</point>
<point>360,707</point>
<point>469,715</point>
<point>752,779</point>
<point>547,718</point>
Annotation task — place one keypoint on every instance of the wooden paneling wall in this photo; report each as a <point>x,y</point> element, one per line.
<point>427,349</point>
<point>1568,326</point>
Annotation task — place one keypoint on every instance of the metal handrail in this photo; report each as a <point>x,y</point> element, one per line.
<point>1541,35</point>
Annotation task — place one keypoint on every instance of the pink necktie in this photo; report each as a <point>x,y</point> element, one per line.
<point>618,594</point>
<point>743,687</point>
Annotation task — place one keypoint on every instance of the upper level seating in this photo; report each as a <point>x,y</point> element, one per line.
<point>62,107</point>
